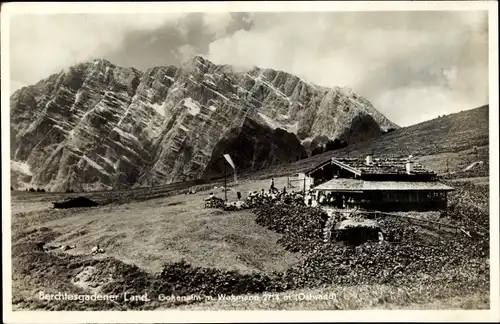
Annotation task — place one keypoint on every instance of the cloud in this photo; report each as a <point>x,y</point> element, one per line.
<point>44,44</point>
<point>411,65</point>
<point>392,58</point>
<point>217,23</point>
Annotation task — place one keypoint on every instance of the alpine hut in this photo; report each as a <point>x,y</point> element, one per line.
<point>384,184</point>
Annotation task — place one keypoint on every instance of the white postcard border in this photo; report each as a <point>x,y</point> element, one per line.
<point>249,316</point>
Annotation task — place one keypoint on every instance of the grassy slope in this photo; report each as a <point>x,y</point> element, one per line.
<point>452,136</point>
<point>166,229</point>
<point>152,232</point>
<point>149,233</point>
<point>356,297</point>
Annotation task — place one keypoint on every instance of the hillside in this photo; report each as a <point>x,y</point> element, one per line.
<point>98,126</point>
<point>146,243</point>
<point>445,140</point>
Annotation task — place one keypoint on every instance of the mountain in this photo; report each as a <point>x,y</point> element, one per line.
<point>98,126</point>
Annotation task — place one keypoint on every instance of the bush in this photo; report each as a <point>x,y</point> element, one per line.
<point>301,226</point>
<point>407,255</point>
<point>182,279</point>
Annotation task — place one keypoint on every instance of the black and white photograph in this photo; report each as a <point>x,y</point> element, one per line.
<point>249,156</point>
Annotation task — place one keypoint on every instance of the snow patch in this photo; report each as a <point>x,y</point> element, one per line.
<point>219,94</point>
<point>125,134</point>
<point>473,165</point>
<point>71,134</point>
<point>291,128</point>
<point>283,117</point>
<point>209,82</point>
<point>95,165</point>
<point>192,80</point>
<point>22,167</point>
<point>77,100</point>
<point>150,94</point>
<point>200,62</point>
<point>128,149</point>
<point>260,78</point>
<point>116,164</point>
<point>152,130</point>
<point>273,124</point>
<point>310,138</point>
<point>105,159</point>
<point>160,109</point>
<point>59,127</point>
<point>192,106</point>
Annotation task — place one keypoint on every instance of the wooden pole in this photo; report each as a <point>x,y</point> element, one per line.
<point>225,182</point>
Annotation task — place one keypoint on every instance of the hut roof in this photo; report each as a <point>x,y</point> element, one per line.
<point>378,166</point>
<point>350,185</point>
<point>353,223</point>
<point>318,166</point>
<point>382,166</point>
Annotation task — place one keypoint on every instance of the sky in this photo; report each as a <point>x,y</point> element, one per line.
<point>413,66</point>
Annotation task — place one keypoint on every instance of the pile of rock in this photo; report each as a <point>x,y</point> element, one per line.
<point>191,192</point>
<point>235,205</point>
<point>214,202</point>
<point>96,249</point>
<point>48,248</point>
<point>255,199</point>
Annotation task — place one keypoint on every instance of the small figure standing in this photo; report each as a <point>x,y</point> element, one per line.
<point>272,183</point>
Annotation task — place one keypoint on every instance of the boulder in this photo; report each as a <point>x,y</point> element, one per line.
<point>75,203</point>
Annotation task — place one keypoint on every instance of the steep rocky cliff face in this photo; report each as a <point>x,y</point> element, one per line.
<point>254,146</point>
<point>100,126</point>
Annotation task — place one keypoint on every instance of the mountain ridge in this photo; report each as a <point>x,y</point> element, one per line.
<point>98,125</point>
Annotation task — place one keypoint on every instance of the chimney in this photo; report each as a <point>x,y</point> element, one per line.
<point>369,159</point>
<point>409,165</point>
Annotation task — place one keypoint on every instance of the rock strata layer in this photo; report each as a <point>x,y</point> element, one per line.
<point>98,126</point>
